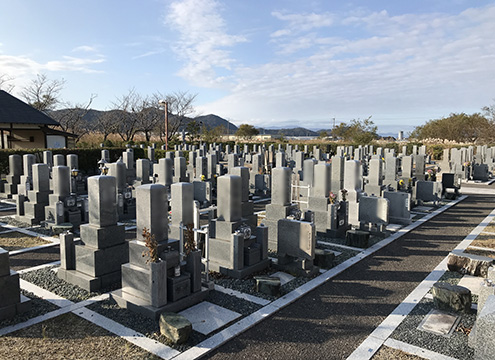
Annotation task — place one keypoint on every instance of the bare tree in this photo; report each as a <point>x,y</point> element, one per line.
<point>108,122</point>
<point>73,118</point>
<point>127,121</point>
<point>43,94</point>
<point>148,115</point>
<point>4,83</point>
<point>180,105</point>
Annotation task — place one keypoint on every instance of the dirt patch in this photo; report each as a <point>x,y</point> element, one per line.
<point>15,241</point>
<point>387,353</point>
<point>490,254</point>
<point>487,241</point>
<point>83,340</point>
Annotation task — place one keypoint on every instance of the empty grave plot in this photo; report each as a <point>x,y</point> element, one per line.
<point>15,240</point>
<point>82,340</point>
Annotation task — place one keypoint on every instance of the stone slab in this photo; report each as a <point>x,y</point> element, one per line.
<point>473,283</point>
<point>284,277</point>
<point>207,317</point>
<point>439,323</point>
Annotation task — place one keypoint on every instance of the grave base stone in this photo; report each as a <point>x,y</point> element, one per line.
<point>452,297</point>
<point>175,327</point>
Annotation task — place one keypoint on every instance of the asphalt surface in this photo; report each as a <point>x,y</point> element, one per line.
<point>332,320</point>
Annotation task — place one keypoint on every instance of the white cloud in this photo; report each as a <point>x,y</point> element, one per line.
<point>305,22</point>
<point>84,48</point>
<point>203,40</point>
<point>414,66</point>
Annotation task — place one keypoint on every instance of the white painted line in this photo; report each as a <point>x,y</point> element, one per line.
<point>20,251</point>
<point>240,295</point>
<point>340,246</point>
<point>134,337</point>
<point>387,327</point>
<point>249,321</point>
<point>415,350</point>
<point>23,271</point>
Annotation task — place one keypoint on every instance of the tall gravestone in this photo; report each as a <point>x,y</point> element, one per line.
<point>233,248</point>
<point>104,249</point>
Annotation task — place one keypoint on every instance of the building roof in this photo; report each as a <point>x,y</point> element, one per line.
<point>15,111</point>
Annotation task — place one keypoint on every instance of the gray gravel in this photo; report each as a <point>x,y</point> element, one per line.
<point>47,279</point>
<point>233,303</point>
<point>142,324</point>
<point>38,307</point>
<point>248,285</point>
<point>455,346</point>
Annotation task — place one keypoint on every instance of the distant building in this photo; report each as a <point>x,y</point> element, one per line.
<point>24,127</point>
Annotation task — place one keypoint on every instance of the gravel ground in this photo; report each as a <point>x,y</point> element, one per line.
<point>346,254</point>
<point>142,324</point>
<point>42,230</point>
<point>15,240</point>
<point>455,346</point>
<point>233,303</point>
<point>248,285</point>
<point>81,340</point>
<point>38,307</point>
<point>47,279</point>
<point>387,353</point>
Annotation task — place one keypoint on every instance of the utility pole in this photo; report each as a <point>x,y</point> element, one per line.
<point>165,105</point>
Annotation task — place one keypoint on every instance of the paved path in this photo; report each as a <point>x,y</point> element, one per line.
<point>331,321</point>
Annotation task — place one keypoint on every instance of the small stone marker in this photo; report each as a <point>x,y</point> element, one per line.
<point>268,285</point>
<point>357,238</point>
<point>175,327</point>
<point>439,322</point>
<point>324,258</point>
<point>469,264</point>
<point>452,297</point>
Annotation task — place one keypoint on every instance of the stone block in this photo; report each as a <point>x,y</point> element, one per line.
<point>268,285</point>
<point>176,328</point>
<point>4,262</point>
<point>151,206</point>
<point>229,195</point>
<point>324,258</point>
<point>296,239</point>
<point>67,251</point>
<point>10,289</point>
<point>281,188</point>
<point>252,255</point>
<point>178,287</point>
<point>193,267</point>
<point>102,237</point>
<point>97,262</point>
<point>102,200</point>
<point>451,297</point>
<point>373,210</point>
<point>468,263</point>
<point>357,238</point>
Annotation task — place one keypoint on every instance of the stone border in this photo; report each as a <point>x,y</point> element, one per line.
<point>414,350</point>
<point>380,335</point>
<point>249,321</point>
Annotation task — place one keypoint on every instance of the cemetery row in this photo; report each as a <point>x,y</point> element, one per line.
<point>212,233</point>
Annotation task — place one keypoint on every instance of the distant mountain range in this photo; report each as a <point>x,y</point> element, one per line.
<point>212,121</point>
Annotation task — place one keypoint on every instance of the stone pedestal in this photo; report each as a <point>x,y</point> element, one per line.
<point>103,250</point>
<point>11,300</point>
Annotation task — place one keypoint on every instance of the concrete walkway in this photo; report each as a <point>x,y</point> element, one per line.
<point>331,321</point>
